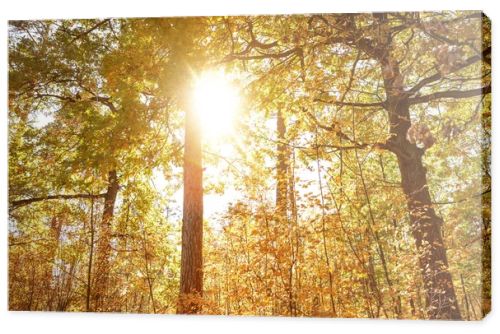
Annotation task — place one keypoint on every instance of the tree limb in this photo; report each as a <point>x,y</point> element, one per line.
<point>335,128</point>
<point>23,202</point>
<point>279,55</point>
<point>88,31</point>
<point>351,104</point>
<point>451,94</point>
<point>100,99</point>
<point>415,89</point>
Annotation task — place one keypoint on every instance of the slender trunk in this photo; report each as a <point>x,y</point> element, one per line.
<point>323,232</point>
<point>32,287</point>
<point>191,285</point>
<point>101,276</point>
<point>296,250</point>
<point>486,260</point>
<point>281,168</point>
<point>91,255</point>
<point>147,257</point>
<point>486,247</point>
<point>374,286</point>
<point>52,276</point>
<point>372,227</point>
<point>466,300</point>
<point>282,164</point>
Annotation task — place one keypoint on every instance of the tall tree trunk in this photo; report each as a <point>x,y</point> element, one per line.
<point>191,285</point>
<point>281,167</point>
<point>147,260</point>
<point>426,228</point>
<point>282,201</point>
<point>486,259</point>
<point>101,276</point>
<point>53,282</point>
<point>323,232</point>
<point>486,235</point>
<point>426,225</point>
<point>91,255</point>
<point>294,234</point>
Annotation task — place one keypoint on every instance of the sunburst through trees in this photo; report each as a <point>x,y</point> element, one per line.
<point>326,165</point>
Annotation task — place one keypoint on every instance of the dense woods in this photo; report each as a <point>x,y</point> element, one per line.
<point>326,165</point>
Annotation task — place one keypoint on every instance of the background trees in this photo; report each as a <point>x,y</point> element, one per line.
<point>357,172</point>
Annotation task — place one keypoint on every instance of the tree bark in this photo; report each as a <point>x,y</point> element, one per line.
<point>101,276</point>
<point>426,228</point>
<point>191,285</point>
<point>426,225</point>
<point>281,167</point>
<point>283,183</point>
<point>91,255</point>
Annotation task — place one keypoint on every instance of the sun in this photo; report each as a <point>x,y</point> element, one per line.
<point>216,100</point>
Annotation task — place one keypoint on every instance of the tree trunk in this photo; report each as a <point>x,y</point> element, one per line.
<point>91,255</point>
<point>426,225</point>
<point>191,285</point>
<point>282,204</point>
<point>104,247</point>
<point>426,228</point>
<point>486,238</point>
<point>323,232</point>
<point>281,168</point>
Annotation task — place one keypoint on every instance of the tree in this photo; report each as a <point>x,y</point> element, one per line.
<point>192,219</point>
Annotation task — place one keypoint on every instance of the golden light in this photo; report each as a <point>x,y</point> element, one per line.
<point>216,100</point>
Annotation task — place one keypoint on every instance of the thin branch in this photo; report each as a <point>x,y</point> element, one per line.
<point>351,104</point>
<point>23,202</point>
<point>415,89</point>
<point>351,78</point>
<point>332,128</point>
<point>357,146</point>
<point>279,55</point>
<point>86,32</point>
<point>487,191</point>
<point>451,94</point>
<point>100,99</point>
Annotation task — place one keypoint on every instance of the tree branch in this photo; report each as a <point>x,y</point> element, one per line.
<point>351,104</point>
<point>279,55</point>
<point>23,202</point>
<point>381,146</point>
<point>487,191</point>
<point>100,99</point>
<point>86,32</point>
<point>415,89</point>
<point>335,128</point>
<point>451,94</point>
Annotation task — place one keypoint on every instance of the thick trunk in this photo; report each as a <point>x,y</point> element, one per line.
<point>191,285</point>
<point>426,225</point>
<point>426,228</point>
<point>101,276</point>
